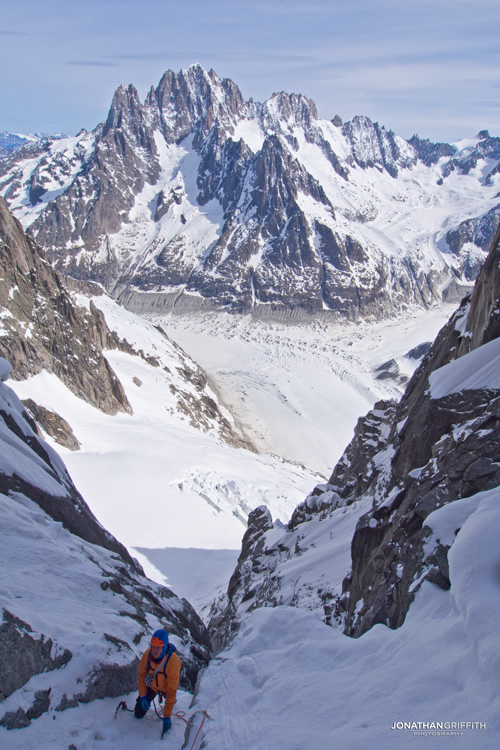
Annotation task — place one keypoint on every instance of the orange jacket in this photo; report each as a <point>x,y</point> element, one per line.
<point>164,682</point>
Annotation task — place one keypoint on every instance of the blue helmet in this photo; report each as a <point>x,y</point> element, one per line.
<point>160,638</point>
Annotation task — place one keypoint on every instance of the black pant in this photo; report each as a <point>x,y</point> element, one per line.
<point>139,711</point>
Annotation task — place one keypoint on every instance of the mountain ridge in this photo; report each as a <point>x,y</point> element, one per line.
<point>198,199</point>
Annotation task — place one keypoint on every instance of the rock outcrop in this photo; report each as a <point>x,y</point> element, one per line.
<point>43,329</point>
<point>53,424</point>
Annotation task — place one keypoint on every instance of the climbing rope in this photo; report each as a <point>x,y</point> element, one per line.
<point>179,714</point>
<point>199,730</point>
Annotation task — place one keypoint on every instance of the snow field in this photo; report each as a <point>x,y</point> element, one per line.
<point>94,725</point>
<point>299,389</point>
<point>178,497</point>
<point>141,239</point>
<point>478,369</point>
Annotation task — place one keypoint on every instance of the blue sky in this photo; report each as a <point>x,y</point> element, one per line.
<point>425,66</point>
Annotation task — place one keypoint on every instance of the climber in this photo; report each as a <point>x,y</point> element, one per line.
<point>159,671</point>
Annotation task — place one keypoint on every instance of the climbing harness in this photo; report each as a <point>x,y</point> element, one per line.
<point>162,665</point>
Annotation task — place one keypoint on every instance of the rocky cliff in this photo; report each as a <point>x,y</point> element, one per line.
<point>73,596</point>
<point>46,327</point>
<point>43,329</point>
<point>196,198</point>
<point>356,551</point>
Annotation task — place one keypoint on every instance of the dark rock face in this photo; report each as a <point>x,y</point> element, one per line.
<point>388,545</point>
<point>197,154</point>
<point>483,318</point>
<point>22,654</point>
<point>43,329</point>
<point>53,424</point>
<point>242,585</point>
<point>440,450</point>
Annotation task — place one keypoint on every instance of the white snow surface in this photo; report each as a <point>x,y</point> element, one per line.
<point>299,389</point>
<point>351,693</point>
<point>477,369</point>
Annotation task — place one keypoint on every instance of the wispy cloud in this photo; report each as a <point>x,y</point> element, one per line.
<point>229,56</point>
<point>8,32</point>
<point>93,63</point>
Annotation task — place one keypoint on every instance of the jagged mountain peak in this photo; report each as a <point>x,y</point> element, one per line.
<point>365,206</point>
<point>430,153</point>
<point>373,146</point>
<point>195,98</point>
<point>286,111</point>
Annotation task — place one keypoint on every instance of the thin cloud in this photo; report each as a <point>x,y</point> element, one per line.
<point>7,32</point>
<point>260,57</point>
<point>93,63</point>
<point>226,56</point>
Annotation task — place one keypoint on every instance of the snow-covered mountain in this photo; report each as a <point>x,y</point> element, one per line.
<point>399,548</point>
<point>10,142</point>
<point>45,328</point>
<point>141,425</point>
<point>197,199</point>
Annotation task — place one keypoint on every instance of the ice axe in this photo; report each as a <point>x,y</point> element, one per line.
<point>123,706</point>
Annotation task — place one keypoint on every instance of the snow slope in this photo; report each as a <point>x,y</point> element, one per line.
<point>162,484</point>
<point>289,682</point>
<point>436,676</point>
<point>479,369</point>
<point>71,609</point>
